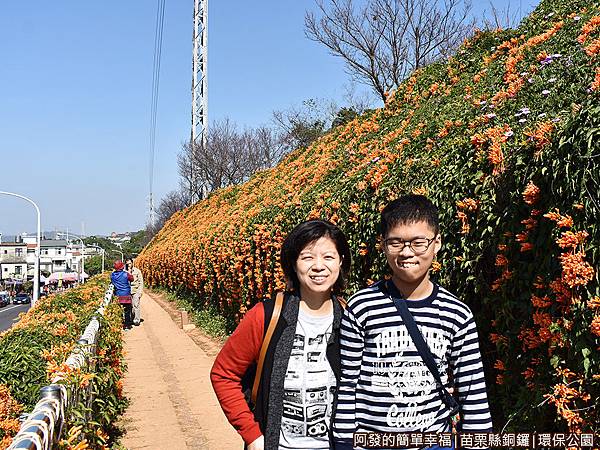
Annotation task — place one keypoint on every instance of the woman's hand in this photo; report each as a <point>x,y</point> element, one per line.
<point>257,444</point>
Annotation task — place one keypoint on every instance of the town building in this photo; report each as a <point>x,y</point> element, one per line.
<point>13,260</point>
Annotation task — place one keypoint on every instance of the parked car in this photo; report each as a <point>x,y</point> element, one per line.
<point>22,299</point>
<point>4,300</point>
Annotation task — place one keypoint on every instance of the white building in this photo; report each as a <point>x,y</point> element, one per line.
<point>56,255</point>
<point>119,238</point>
<point>53,255</point>
<point>13,260</point>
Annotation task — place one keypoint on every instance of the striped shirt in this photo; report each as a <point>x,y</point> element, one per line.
<point>386,386</point>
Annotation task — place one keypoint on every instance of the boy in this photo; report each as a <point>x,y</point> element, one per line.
<point>386,386</point>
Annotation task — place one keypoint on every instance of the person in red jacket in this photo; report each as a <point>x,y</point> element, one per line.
<point>296,395</point>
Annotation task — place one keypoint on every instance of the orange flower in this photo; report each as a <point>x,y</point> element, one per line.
<point>575,270</point>
<point>595,326</point>
<point>569,239</point>
<point>539,283</point>
<point>594,303</point>
<point>469,204</point>
<point>542,319</point>
<point>562,292</point>
<point>501,260</point>
<point>526,247</point>
<point>521,237</point>
<point>531,193</point>
<point>530,338</point>
<point>529,373</point>
<point>561,221</point>
<point>596,83</point>
<point>496,157</point>
<point>530,223</point>
<point>465,222</point>
<point>541,135</point>
<point>498,338</point>
<point>506,275</point>
<point>590,27</point>
<point>540,302</point>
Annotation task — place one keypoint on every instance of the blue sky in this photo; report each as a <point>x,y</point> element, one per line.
<point>75,92</point>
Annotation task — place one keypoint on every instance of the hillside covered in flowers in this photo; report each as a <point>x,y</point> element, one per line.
<point>503,137</point>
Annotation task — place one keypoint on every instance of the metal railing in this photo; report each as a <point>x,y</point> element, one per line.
<point>42,428</point>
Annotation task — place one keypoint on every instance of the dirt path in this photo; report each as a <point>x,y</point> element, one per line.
<point>172,402</point>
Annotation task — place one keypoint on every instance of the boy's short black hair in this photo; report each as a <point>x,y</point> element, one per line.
<point>306,233</point>
<point>409,209</point>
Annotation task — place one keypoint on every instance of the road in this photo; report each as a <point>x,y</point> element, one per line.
<point>8,315</point>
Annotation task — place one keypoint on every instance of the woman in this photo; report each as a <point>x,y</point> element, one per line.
<point>299,380</point>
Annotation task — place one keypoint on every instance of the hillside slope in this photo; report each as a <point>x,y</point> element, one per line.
<point>504,138</point>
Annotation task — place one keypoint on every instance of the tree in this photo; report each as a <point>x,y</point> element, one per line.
<point>501,18</point>
<point>171,203</point>
<point>229,156</point>
<point>299,126</point>
<point>93,265</point>
<point>385,40</point>
<point>343,116</point>
<point>135,245</point>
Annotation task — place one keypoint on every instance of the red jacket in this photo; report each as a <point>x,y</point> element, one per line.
<point>241,350</point>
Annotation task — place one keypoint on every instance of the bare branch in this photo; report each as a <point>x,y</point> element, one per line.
<point>382,42</point>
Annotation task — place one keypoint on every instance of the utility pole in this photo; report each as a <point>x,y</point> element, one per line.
<point>199,130</point>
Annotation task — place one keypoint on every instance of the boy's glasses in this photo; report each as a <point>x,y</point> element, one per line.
<point>418,246</point>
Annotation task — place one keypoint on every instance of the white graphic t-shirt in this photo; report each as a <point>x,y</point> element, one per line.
<point>309,386</point>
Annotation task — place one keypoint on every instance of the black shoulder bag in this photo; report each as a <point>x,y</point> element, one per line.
<point>424,352</point>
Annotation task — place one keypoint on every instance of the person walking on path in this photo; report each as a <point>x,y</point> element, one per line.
<point>295,398</point>
<point>122,282</point>
<point>137,287</point>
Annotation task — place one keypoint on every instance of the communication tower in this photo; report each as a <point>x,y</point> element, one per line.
<point>199,73</point>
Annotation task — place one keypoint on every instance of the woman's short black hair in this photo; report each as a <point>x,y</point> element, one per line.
<point>307,233</point>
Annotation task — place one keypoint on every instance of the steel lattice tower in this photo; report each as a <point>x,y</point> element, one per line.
<point>199,73</point>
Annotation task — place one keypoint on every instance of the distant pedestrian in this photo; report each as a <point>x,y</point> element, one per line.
<point>122,282</point>
<point>137,287</point>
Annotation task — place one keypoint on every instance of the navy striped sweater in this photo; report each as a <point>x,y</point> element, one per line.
<point>386,386</point>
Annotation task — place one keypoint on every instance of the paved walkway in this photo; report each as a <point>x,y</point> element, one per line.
<point>172,402</point>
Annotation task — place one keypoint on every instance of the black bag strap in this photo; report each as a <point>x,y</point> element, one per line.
<point>422,348</point>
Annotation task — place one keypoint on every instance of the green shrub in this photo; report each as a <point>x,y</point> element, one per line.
<point>34,350</point>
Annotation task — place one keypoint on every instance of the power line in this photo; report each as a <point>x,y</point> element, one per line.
<point>158,36</point>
